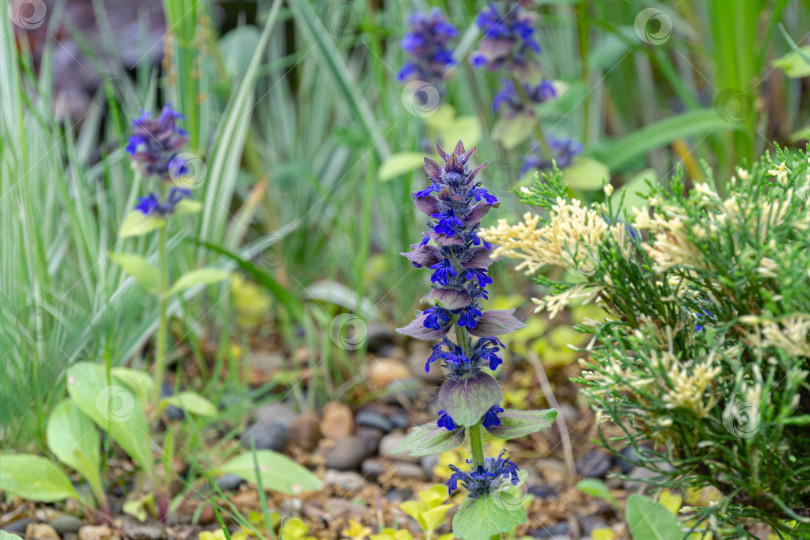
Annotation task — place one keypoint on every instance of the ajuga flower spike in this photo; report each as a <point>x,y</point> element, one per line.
<point>458,260</point>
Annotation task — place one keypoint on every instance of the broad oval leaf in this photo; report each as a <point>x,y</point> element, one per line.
<point>585,173</point>
<point>489,515</point>
<point>201,276</point>
<point>495,323</point>
<point>401,163</point>
<point>34,478</point>
<point>114,409</point>
<point>649,520</point>
<point>193,403</point>
<point>137,224</point>
<point>448,298</point>
<point>278,472</point>
<point>466,401</point>
<point>187,206</point>
<point>515,424</point>
<point>429,439</point>
<point>139,268</point>
<point>74,440</point>
<point>511,131</point>
<point>139,382</point>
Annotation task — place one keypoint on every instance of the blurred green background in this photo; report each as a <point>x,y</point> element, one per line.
<point>298,128</point>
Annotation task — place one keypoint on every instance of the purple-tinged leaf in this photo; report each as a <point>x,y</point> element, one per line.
<point>475,172</point>
<point>447,194</point>
<point>444,240</point>
<point>432,169</point>
<point>417,330</point>
<point>441,152</point>
<point>448,298</point>
<point>469,154</point>
<point>496,323</point>
<point>459,149</point>
<point>429,439</point>
<point>515,424</point>
<point>480,259</point>
<point>423,255</point>
<point>478,211</point>
<point>466,401</point>
<point>427,205</point>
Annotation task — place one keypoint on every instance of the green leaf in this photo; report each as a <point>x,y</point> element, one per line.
<point>140,507</point>
<point>596,488</point>
<point>615,154</point>
<point>136,380</point>
<point>801,135</point>
<point>186,207</point>
<point>137,224</point>
<point>429,439</point>
<point>648,520</point>
<point>278,472</point>
<point>401,163</point>
<point>513,130</point>
<point>238,46</point>
<point>466,401</point>
<point>193,403</point>
<point>515,424</point>
<point>630,191</point>
<point>795,63</point>
<point>481,518</point>
<point>74,440</point>
<point>585,173</point>
<point>34,478</point>
<point>136,266</point>
<point>463,128</point>
<point>8,536</point>
<point>282,295</point>
<point>114,409</point>
<point>201,276</point>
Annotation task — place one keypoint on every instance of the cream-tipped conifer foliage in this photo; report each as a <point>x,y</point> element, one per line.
<point>701,360</point>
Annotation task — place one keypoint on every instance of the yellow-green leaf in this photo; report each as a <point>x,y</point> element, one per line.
<point>34,478</point>
<point>401,163</point>
<point>513,130</point>
<point>193,403</point>
<point>795,63</point>
<point>137,224</point>
<point>139,268</point>
<point>201,276</point>
<point>585,173</point>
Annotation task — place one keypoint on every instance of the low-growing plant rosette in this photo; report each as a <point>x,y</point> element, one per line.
<point>702,362</point>
<point>455,201</point>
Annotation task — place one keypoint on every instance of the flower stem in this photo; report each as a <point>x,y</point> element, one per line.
<point>476,443</point>
<point>160,348</point>
<point>538,129</point>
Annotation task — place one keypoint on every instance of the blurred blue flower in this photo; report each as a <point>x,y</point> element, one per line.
<point>428,43</point>
<point>151,203</point>
<point>508,39</point>
<point>563,150</point>
<point>155,142</point>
